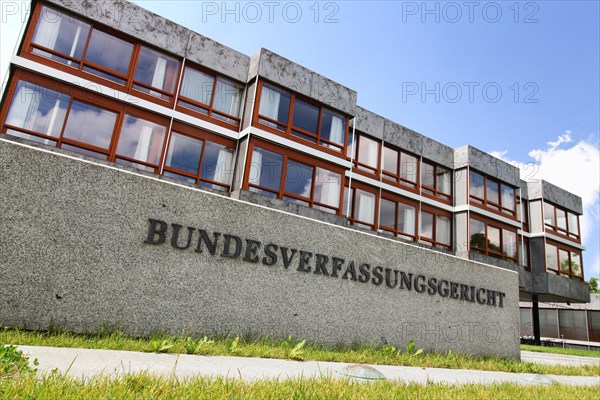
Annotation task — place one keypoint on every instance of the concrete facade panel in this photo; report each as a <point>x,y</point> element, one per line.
<point>369,122</point>
<point>73,256</point>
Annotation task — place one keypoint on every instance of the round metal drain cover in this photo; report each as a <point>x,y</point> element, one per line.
<point>361,372</point>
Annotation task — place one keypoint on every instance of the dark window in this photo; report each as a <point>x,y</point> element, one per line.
<point>108,56</point>
<point>436,180</point>
<point>90,124</point>
<point>492,194</point>
<point>156,73</point>
<point>492,240</point>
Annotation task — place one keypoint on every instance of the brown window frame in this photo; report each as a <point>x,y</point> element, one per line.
<point>361,167</point>
<point>397,200</point>
<point>524,217</point>
<point>432,192</point>
<point>288,154</point>
<point>129,78</point>
<point>570,251</point>
<point>83,96</point>
<point>396,179</point>
<point>565,233</point>
<point>200,134</point>
<point>288,127</point>
<point>497,208</point>
<point>351,190</point>
<point>208,107</point>
<point>501,227</point>
<point>436,212</point>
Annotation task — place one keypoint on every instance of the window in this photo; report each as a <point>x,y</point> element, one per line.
<point>523,213</point>
<point>436,180</point>
<point>397,218</point>
<point>140,142</point>
<point>196,157</point>
<point>108,56</point>
<point>435,229</point>
<point>95,52</point>
<point>563,260</point>
<point>400,167</point>
<point>91,125</point>
<point>60,37</point>
<point>308,121</point>
<point>524,252</point>
<point>367,158</point>
<point>494,241</point>
<point>492,194</point>
<point>211,95</point>
<point>156,73</point>
<point>561,221</point>
<point>291,178</point>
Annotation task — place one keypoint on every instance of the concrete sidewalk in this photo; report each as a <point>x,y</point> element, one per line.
<point>558,359</point>
<point>88,363</point>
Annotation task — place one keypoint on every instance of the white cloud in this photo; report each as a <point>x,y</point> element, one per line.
<point>575,168</point>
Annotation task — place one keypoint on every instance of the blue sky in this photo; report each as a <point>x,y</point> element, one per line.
<point>506,77</point>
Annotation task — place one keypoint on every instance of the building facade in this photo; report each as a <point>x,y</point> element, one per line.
<point>151,96</point>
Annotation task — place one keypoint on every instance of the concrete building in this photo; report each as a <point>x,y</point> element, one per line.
<point>151,98</point>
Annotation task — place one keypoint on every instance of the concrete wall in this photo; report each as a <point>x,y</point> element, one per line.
<point>73,255</point>
<point>556,195</point>
<point>300,79</point>
<point>487,164</point>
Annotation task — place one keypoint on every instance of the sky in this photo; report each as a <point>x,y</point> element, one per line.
<point>520,80</point>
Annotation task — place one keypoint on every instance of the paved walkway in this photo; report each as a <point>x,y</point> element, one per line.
<point>557,359</point>
<point>88,363</point>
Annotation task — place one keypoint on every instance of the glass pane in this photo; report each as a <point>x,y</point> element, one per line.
<point>306,116</point>
<point>524,253</point>
<point>31,137</point>
<point>508,197</point>
<point>408,167</point>
<point>551,257</point>
<point>37,109</point>
<point>443,231</point>
<point>298,178</point>
<point>364,208</point>
<point>141,140</point>
<point>180,177</point>
<point>444,180</point>
<point>477,232</point>
<point>91,125</point>
<point>265,169</point>
<point>327,187</point>
<point>197,86</point>
<point>493,239</point>
<point>184,153</point>
<point>347,204</point>
<point>333,127</point>
<point>61,33</point>
<point>426,225</point>
<point>427,171</point>
<point>85,152</point>
<point>576,269</point>
<point>390,160</point>
<point>549,214</point>
<point>387,214</point>
<point>157,70</point>
<point>492,191</point>
<point>563,260</point>
<point>509,243</point>
<point>274,104</point>
<point>573,224</point>
<point>573,324</point>
<point>217,163</point>
<point>561,219</point>
<point>228,96</point>
<point>110,52</point>
<point>406,219</point>
<point>476,184</point>
<point>368,152</point>
<point>548,323</point>
<point>351,149</point>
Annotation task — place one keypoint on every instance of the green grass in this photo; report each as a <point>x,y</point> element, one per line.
<point>266,348</point>
<point>560,350</point>
<point>55,386</point>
